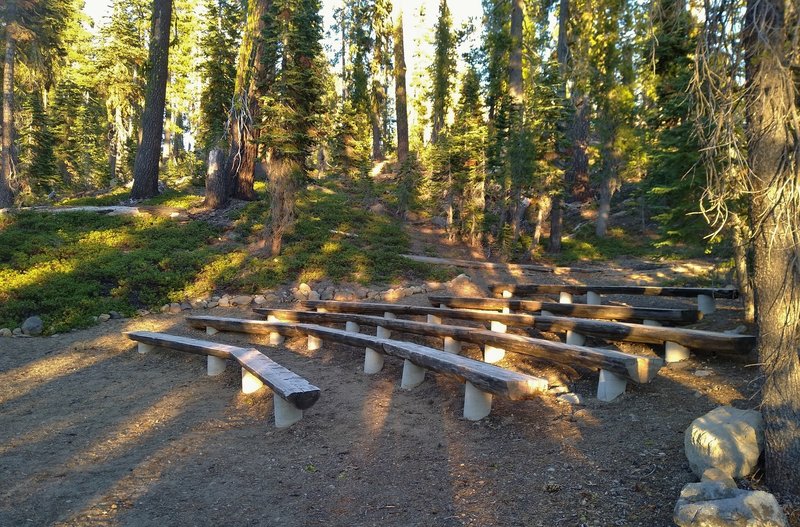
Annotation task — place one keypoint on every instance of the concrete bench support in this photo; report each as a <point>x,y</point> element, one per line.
<point>451,345</point>
<point>593,298</point>
<point>610,386</point>
<point>492,354</point>
<point>573,337</point>
<point>477,403</point>
<point>373,361</point>
<point>653,323</point>
<point>413,375</point>
<point>250,383</point>
<point>141,347</point>
<point>275,338</point>
<point>674,352</point>
<point>706,304</point>
<point>383,333</point>
<point>215,366</point>
<point>211,331</point>
<point>286,414</point>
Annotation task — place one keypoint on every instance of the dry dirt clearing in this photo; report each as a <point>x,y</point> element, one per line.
<point>93,433</point>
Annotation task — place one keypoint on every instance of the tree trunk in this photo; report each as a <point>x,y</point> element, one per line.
<point>554,245</point>
<point>6,161</point>
<point>281,189</point>
<point>375,122</point>
<point>401,108</point>
<point>515,58</point>
<point>743,279</point>
<point>251,78</point>
<point>577,174</point>
<point>772,158</point>
<point>562,53</point>
<point>145,167</point>
<point>217,191</point>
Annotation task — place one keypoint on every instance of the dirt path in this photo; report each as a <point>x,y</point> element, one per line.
<point>93,433</point>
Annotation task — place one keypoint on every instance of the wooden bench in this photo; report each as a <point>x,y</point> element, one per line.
<point>693,339</point>
<point>482,380</point>
<point>705,295</point>
<point>616,367</point>
<point>292,393</point>
<point>676,316</point>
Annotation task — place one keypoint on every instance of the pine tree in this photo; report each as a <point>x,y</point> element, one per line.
<point>442,70</point>
<point>400,97</point>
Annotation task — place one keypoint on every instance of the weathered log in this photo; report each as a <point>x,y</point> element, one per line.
<point>637,368</point>
<point>678,316</point>
<point>284,382</point>
<point>486,377</point>
<point>616,331</point>
<point>534,289</point>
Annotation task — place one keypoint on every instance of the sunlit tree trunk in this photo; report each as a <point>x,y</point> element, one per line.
<point>772,155</point>
<point>6,161</point>
<point>562,52</point>
<point>401,107</point>
<point>145,167</point>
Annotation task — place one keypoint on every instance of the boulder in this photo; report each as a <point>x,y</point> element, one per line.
<point>224,301</point>
<point>462,285</point>
<point>304,289</point>
<point>142,312</point>
<point>32,326</point>
<point>717,504</point>
<point>116,315</point>
<point>5,332</point>
<point>175,308</point>
<point>212,304</point>
<point>103,317</point>
<point>313,295</point>
<point>327,294</point>
<point>259,300</point>
<point>17,332</point>
<point>241,300</point>
<point>725,438</point>
<point>345,295</point>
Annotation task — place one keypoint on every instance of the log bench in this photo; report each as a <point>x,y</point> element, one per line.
<point>292,393</point>
<point>705,295</point>
<point>482,380</point>
<point>693,339</point>
<point>616,368</point>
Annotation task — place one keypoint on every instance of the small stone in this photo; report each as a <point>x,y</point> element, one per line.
<point>304,289</point>
<point>241,300</point>
<point>434,286</point>
<point>103,317</point>
<point>225,301</point>
<point>32,326</point>
<point>5,332</point>
<point>703,373</point>
<point>175,308</point>
<point>259,300</point>
<point>142,312</point>
<point>215,298</point>
<point>713,503</point>
<point>17,332</point>
<point>185,306</point>
<point>570,398</point>
<point>165,308</point>
<point>344,295</point>
<point>213,304</point>
<point>377,208</point>
<point>115,315</point>
<point>327,294</point>
<point>313,295</point>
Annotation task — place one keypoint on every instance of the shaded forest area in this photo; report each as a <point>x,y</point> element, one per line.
<point>685,113</point>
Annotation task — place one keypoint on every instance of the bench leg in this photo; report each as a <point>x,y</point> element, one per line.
<point>610,386</point>
<point>546,313</point>
<point>433,319</point>
<point>492,354</point>
<point>275,338</point>
<point>373,361</point>
<point>451,345</point>
<point>250,383</point>
<point>706,304</point>
<point>575,338</point>
<point>674,352</point>
<point>215,366</point>
<point>564,298</point>
<point>593,298</point>
<point>314,343</point>
<point>413,375</point>
<point>286,414</point>
<point>352,327</point>
<point>648,322</point>
<point>382,332</point>
<point>144,348</point>
<point>477,403</point>
<point>507,293</point>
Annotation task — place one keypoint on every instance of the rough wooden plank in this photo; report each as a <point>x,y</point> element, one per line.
<point>695,339</point>
<point>637,368</point>
<point>284,382</point>
<point>678,316</point>
<point>533,289</point>
<point>472,264</point>
<point>485,376</point>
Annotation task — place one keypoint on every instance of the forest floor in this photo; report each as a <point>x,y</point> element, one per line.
<point>93,433</point>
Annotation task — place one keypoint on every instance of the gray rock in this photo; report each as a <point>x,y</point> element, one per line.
<point>344,295</point>
<point>17,332</point>
<point>241,300</point>
<point>313,295</point>
<point>725,438</point>
<point>142,312</point>
<point>115,315</point>
<point>5,332</point>
<point>259,300</point>
<point>571,398</point>
<point>716,504</point>
<point>703,373</point>
<point>103,317</point>
<point>185,306</point>
<point>175,308</point>
<point>224,301</point>
<point>715,474</point>
<point>212,304</point>
<point>377,208</point>
<point>327,294</point>
<point>32,326</point>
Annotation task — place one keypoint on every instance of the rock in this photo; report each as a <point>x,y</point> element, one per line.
<point>411,216</point>
<point>417,289</point>
<point>32,326</point>
<point>703,373</point>
<point>213,304</point>
<point>434,286</point>
<point>462,285</point>
<point>241,300</point>
<point>115,315</point>
<point>17,332</point>
<point>5,332</point>
<point>304,289</point>
<point>327,294</point>
<point>175,308</point>
<point>726,438</point>
<point>103,317</point>
<point>142,312</point>
<point>215,298</point>
<point>165,308</point>
<point>259,300</point>
<point>185,306</point>
<point>344,295</point>
<point>715,474</point>
<point>571,398</point>
<point>715,504</point>
<point>377,208</point>
<point>313,295</point>
<point>199,303</point>
<point>271,298</point>
<point>374,295</point>
<point>393,295</point>
<point>224,301</point>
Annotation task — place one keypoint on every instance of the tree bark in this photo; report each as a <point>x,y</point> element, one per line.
<point>251,78</point>
<point>562,53</point>
<point>217,191</point>
<point>743,278</point>
<point>401,106</point>
<point>772,152</point>
<point>145,167</point>
<point>6,161</point>
<point>515,58</point>
<point>554,244</point>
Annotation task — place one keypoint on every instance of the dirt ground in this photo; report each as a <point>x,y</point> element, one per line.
<point>94,433</point>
